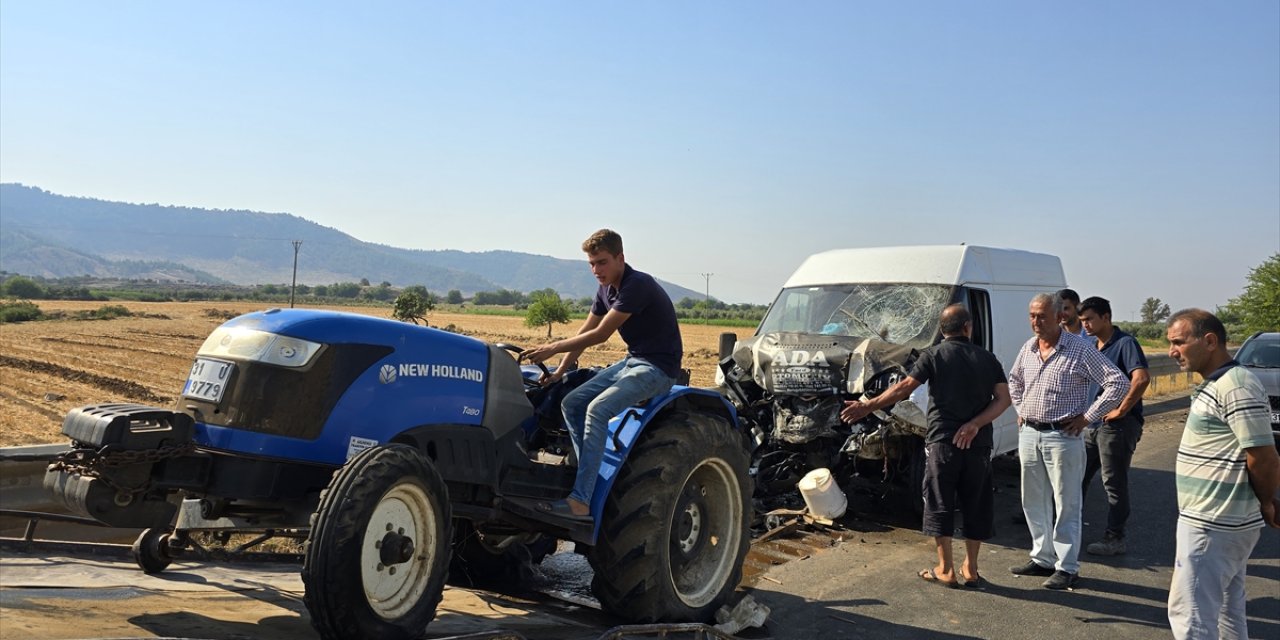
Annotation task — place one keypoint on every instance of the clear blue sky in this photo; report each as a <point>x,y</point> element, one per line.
<point>1140,141</point>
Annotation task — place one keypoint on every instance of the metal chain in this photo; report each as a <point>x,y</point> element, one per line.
<point>95,464</point>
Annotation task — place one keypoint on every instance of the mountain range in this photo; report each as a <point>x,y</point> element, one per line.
<point>54,236</point>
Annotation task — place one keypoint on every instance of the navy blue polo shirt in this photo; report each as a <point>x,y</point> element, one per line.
<point>651,333</point>
<point>962,379</point>
<point>1125,352</point>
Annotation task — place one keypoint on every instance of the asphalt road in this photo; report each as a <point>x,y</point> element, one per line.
<point>864,587</point>
<point>867,587</point>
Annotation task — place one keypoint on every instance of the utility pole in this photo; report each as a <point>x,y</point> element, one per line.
<point>296,245</point>
<point>707,276</point>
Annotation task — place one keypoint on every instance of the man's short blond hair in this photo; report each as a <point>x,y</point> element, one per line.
<point>603,240</point>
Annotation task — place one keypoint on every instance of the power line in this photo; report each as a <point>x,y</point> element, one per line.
<point>707,276</point>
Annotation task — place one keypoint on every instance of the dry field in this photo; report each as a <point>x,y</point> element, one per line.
<point>50,367</point>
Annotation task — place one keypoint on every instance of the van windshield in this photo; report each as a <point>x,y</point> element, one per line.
<point>904,314</point>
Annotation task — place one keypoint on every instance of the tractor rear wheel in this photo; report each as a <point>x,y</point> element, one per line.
<point>675,527</point>
<point>378,553</point>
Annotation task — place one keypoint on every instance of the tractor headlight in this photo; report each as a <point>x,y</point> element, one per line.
<point>250,344</point>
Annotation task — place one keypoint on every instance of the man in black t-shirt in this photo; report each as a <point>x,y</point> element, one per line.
<point>967,390</point>
<point>633,304</point>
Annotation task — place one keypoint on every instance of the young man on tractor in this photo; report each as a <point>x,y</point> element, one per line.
<point>633,304</point>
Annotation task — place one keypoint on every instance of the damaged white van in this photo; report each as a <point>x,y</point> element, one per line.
<point>850,323</point>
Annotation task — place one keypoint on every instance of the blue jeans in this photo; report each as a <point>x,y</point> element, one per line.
<point>1052,474</point>
<point>588,409</point>
<point>1206,596</point>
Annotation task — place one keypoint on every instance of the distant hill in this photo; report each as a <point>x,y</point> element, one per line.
<point>45,234</point>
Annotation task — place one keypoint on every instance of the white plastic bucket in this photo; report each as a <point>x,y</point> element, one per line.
<point>821,495</point>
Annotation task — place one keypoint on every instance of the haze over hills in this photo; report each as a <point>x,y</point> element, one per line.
<point>49,235</point>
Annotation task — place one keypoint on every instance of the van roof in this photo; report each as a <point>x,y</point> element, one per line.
<point>931,264</point>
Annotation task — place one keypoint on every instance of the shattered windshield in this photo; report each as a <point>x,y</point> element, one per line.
<point>904,314</point>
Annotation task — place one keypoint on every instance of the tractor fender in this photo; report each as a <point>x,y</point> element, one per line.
<point>626,427</point>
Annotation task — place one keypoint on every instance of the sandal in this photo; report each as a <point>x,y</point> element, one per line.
<point>560,509</point>
<point>929,576</point>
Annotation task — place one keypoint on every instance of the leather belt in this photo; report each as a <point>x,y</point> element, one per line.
<point>1047,426</point>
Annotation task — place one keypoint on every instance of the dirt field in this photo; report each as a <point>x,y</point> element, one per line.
<point>50,367</point>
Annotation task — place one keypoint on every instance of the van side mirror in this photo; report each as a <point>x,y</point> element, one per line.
<point>727,342</point>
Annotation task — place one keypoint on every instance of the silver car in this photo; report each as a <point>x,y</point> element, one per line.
<point>1261,354</point>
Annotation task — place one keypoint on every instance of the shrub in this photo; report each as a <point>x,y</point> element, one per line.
<point>19,312</point>
<point>219,314</point>
<point>105,312</point>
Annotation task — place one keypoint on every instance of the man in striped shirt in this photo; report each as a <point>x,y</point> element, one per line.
<point>1227,473</point>
<point>1051,389</point>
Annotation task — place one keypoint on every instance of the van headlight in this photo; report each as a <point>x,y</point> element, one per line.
<point>238,343</point>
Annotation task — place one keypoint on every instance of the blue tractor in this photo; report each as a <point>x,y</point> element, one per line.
<point>399,451</point>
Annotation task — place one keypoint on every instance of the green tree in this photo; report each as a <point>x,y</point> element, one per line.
<point>412,306</point>
<point>453,297</point>
<point>23,288</point>
<point>1258,308</point>
<point>1153,310</point>
<point>501,297</point>
<point>547,308</point>
<point>431,298</point>
<point>344,290</point>
<point>380,292</point>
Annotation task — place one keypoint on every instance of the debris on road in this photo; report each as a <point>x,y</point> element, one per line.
<point>747,613</point>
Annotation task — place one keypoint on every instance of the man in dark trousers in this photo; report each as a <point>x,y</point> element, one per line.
<point>968,391</point>
<point>1109,444</point>
<point>634,305</point>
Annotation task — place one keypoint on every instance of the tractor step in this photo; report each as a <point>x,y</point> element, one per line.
<point>527,509</point>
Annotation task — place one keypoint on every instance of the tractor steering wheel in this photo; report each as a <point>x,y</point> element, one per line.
<point>517,351</point>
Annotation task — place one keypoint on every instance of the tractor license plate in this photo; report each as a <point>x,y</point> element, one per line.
<point>208,380</point>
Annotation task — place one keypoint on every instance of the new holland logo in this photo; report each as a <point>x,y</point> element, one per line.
<point>388,373</point>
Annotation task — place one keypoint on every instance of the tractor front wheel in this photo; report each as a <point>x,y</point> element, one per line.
<point>378,552</point>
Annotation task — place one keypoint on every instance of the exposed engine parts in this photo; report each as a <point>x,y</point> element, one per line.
<point>790,388</point>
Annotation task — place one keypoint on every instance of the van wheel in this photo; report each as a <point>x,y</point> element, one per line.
<point>378,553</point>
<point>674,531</point>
